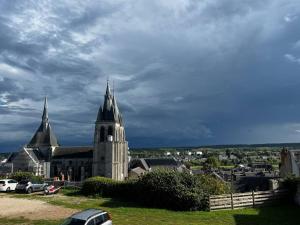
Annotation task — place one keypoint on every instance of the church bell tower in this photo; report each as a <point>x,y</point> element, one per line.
<point>110,158</point>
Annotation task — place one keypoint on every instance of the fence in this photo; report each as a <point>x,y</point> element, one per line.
<point>248,199</point>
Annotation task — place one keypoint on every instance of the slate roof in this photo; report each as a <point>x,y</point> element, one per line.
<point>109,112</point>
<point>147,163</point>
<point>44,136</point>
<point>138,171</point>
<point>73,152</point>
<point>151,162</point>
<point>35,154</point>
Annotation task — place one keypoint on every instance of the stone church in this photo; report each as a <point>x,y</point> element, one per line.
<point>44,156</point>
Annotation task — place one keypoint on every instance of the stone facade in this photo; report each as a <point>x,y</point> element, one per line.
<point>290,163</point>
<point>110,157</point>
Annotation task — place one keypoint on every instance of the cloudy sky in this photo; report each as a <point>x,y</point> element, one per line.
<point>186,72</point>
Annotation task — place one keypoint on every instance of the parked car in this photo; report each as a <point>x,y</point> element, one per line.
<point>8,185</point>
<point>30,186</point>
<point>89,217</point>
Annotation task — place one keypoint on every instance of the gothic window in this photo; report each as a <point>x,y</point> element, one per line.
<point>110,131</point>
<point>102,134</point>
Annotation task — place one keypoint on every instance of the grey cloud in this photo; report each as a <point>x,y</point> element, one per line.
<point>204,72</point>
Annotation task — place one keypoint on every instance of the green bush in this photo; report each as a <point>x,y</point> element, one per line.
<point>162,188</point>
<point>18,176</point>
<point>212,186</point>
<point>171,189</point>
<point>98,185</point>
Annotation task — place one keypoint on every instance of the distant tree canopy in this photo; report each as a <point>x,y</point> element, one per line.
<point>212,163</point>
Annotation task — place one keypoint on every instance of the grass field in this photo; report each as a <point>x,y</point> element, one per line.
<point>131,214</point>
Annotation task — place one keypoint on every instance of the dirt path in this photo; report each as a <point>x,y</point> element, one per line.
<point>32,209</point>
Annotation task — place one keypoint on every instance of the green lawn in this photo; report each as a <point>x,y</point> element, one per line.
<point>130,214</point>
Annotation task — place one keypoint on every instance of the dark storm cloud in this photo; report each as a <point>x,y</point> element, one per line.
<point>186,72</point>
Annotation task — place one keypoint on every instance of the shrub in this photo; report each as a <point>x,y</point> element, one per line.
<point>161,188</point>
<point>212,185</point>
<point>18,176</point>
<point>170,189</point>
<point>98,185</point>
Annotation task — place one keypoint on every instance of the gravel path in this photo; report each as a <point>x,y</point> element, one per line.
<point>32,209</point>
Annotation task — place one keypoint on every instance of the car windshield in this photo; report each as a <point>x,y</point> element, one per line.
<point>73,221</point>
<point>2,182</point>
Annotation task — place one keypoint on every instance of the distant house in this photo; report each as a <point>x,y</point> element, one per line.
<point>199,153</point>
<point>143,165</point>
<point>136,172</point>
<point>290,163</point>
<point>222,157</point>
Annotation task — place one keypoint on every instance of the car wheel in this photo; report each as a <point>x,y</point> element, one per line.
<point>29,190</point>
<point>8,189</point>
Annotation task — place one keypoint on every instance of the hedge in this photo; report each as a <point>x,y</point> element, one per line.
<point>162,188</point>
<point>18,176</point>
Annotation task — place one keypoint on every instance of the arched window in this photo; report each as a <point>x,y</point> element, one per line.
<point>102,134</point>
<point>110,131</point>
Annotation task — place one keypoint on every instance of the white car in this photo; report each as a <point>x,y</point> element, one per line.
<point>89,217</point>
<point>8,185</point>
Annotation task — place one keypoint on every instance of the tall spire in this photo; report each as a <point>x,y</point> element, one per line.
<point>45,113</point>
<point>109,111</point>
<point>44,136</point>
<point>108,93</point>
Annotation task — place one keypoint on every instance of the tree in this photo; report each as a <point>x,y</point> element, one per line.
<point>211,163</point>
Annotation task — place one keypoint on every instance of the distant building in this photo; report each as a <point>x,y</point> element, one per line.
<point>167,153</point>
<point>44,156</point>
<point>152,164</point>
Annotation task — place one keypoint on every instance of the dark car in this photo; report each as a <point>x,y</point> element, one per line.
<point>27,186</point>
<point>89,217</point>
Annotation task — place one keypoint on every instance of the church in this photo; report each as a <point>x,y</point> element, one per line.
<point>108,157</point>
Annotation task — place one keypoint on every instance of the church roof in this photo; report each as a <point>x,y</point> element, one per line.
<point>109,112</point>
<point>147,163</point>
<point>73,152</point>
<point>35,154</point>
<point>44,136</point>
<point>167,162</point>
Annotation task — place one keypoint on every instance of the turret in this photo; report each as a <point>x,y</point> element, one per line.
<point>44,136</point>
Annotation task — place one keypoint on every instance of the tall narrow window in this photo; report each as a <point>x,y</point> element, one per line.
<point>102,134</point>
<point>110,131</point>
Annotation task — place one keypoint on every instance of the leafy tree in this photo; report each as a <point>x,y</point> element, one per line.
<point>212,163</point>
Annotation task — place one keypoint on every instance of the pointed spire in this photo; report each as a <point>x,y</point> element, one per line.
<point>108,93</point>
<point>45,112</point>
<point>44,136</point>
<point>110,110</point>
